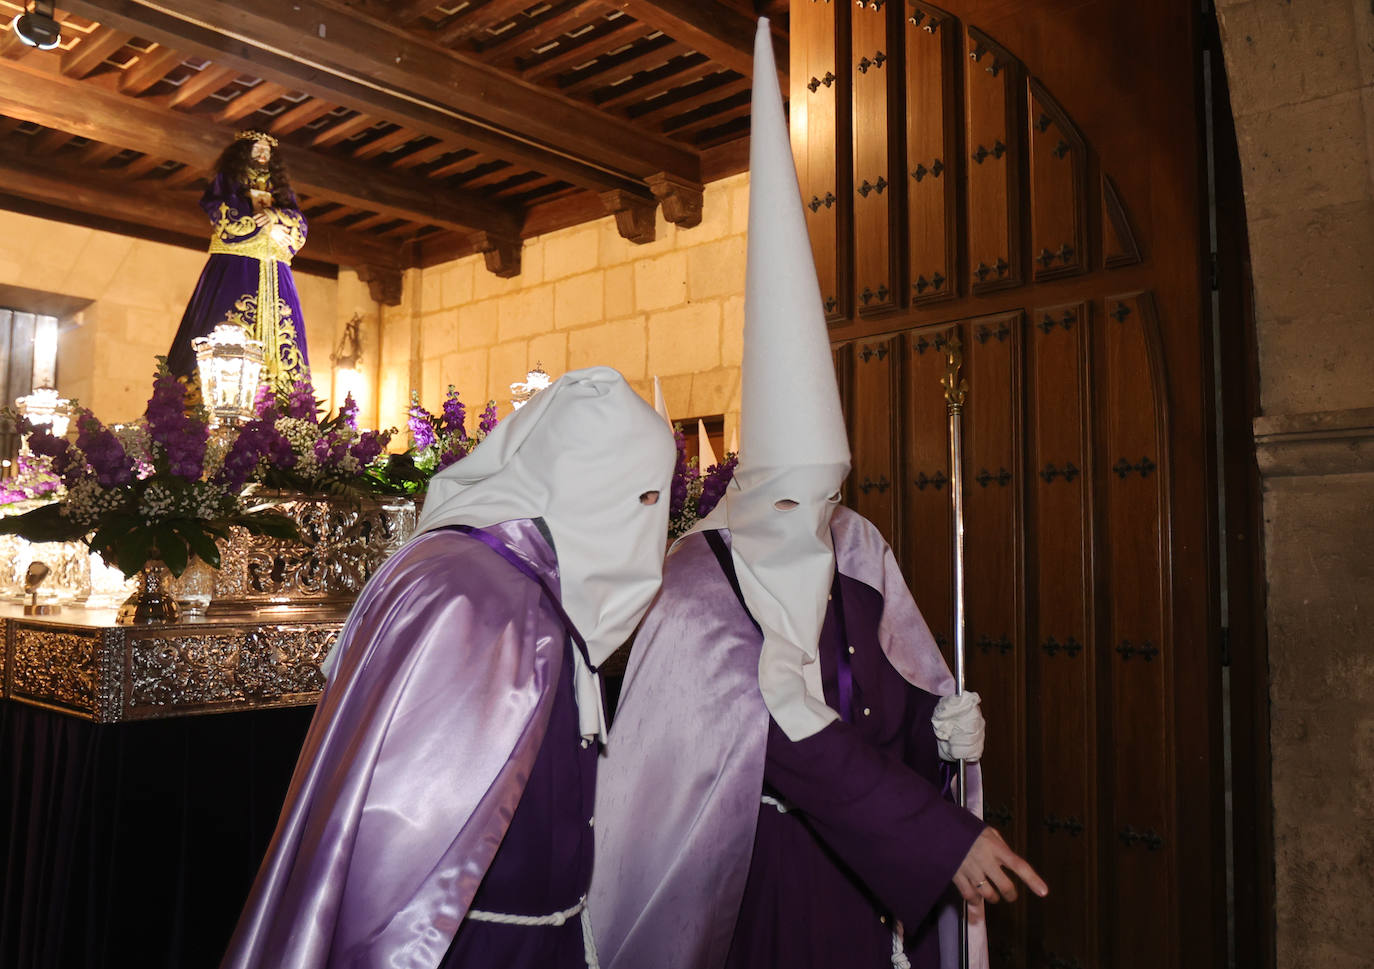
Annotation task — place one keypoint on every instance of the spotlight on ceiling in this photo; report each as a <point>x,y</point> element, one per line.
<point>37,27</point>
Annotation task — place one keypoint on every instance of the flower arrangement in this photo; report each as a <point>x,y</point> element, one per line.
<point>159,490</point>
<point>437,441</point>
<point>694,494</point>
<point>293,444</point>
<point>33,480</point>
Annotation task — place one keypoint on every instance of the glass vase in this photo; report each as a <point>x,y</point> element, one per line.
<point>194,589</point>
<point>152,601</point>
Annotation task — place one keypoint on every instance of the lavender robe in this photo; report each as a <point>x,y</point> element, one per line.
<point>445,727</point>
<point>690,751</point>
<point>229,279</point>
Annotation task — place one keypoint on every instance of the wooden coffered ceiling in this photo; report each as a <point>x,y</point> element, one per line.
<point>415,131</point>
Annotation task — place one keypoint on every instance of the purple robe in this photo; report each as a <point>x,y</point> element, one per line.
<point>692,873</point>
<point>228,287</point>
<point>443,771</point>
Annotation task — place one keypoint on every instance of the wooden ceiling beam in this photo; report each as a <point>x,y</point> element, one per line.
<point>711,88</point>
<point>421,156</point>
<point>153,207</point>
<point>678,72</point>
<point>196,89</point>
<point>555,23</point>
<point>385,143</point>
<point>90,111</point>
<point>466,26</point>
<point>585,47</point>
<point>95,49</point>
<point>409,11</point>
<point>250,102</point>
<point>722,33</point>
<point>294,119</point>
<point>149,69</point>
<point>324,46</point>
<point>342,130</point>
<point>652,52</point>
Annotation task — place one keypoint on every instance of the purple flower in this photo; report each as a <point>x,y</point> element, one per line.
<point>43,443</point>
<point>258,439</point>
<point>103,452</point>
<point>454,416</point>
<point>713,486</point>
<point>301,403</point>
<point>487,423</point>
<point>181,437</point>
<point>348,413</point>
<point>677,495</point>
<point>265,401</point>
<point>369,446</point>
<point>421,424</point>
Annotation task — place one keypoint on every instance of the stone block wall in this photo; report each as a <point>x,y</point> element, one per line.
<point>673,308</point>
<point>1302,92</point>
<point>139,290</point>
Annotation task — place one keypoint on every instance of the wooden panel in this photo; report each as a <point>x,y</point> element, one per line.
<point>993,142</point>
<point>1058,182</point>
<point>873,430</point>
<point>21,355</point>
<point>1119,245</point>
<point>6,330</point>
<point>1133,424</point>
<point>925,547</point>
<point>932,162</point>
<point>819,116</point>
<point>996,646</point>
<point>874,280</point>
<point>1061,643</point>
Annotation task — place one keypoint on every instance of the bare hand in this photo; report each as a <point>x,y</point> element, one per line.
<point>982,878</point>
<point>262,218</point>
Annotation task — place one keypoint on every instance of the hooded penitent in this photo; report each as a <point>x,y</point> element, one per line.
<point>436,706</point>
<point>794,453</point>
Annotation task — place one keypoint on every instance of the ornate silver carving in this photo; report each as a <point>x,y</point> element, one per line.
<point>111,673</point>
<point>254,667</point>
<point>58,667</point>
<point>347,541</point>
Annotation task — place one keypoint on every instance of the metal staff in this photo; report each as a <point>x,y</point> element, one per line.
<point>956,390</point>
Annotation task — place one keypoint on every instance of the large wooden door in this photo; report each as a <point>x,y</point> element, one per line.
<point>1029,177</point>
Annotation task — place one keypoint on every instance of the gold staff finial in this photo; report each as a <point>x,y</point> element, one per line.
<point>956,387</point>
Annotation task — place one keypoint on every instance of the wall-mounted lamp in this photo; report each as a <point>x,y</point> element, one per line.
<point>347,360</point>
<point>37,27</point>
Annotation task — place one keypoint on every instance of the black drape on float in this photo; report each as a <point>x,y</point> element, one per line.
<point>134,843</point>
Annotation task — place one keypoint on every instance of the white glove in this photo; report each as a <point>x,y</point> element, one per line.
<point>959,727</point>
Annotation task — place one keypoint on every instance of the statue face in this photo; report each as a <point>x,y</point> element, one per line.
<point>262,152</point>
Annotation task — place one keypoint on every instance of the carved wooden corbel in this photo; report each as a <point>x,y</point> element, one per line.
<point>502,253</point>
<point>383,282</point>
<point>634,214</point>
<point>680,198</point>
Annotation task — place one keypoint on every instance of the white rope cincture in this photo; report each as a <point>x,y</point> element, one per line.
<point>782,806</point>
<point>899,959</point>
<point>557,918</point>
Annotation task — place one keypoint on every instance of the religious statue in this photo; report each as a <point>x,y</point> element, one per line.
<point>256,228</point>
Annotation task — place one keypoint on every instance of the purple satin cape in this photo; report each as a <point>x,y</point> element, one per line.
<point>414,764</point>
<point>678,791</point>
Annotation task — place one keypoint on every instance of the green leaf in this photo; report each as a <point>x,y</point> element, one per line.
<point>270,523</point>
<point>133,550</point>
<point>171,548</point>
<point>200,542</point>
<point>46,524</point>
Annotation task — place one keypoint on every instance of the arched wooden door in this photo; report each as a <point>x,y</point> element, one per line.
<point>1030,176</point>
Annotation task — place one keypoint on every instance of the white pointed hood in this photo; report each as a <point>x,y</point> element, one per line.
<point>794,452</point>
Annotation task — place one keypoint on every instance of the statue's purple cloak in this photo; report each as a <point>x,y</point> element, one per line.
<point>415,762</point>
<point>678,793</point>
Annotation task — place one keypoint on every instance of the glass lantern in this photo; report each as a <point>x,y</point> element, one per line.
<point>535,381</point>
<point>230,366</point>
<point>45,407</point>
